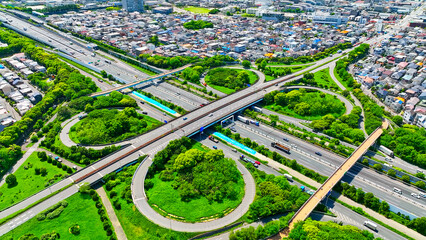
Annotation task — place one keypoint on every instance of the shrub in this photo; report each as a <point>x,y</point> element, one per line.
<point>98,205</point>
<point>54,163</point>
<point>37,171</point>
<point>64,167</point>
<point>378,167</point>
<point>112,194</point>
<point>117,205</point>
<point>69,170</point>
<point>34,138</point>
<point>49,160</point>
<point>55,213</point>
<point>43,171</point>
<point>405,178</point>
<point>75,229</point>
<point>41,216</point>
<point>95,197</point>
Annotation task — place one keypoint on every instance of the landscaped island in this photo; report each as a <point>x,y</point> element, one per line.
<point>229,80</point>
<point>104,126</point>
<point>304,104</point>
<point>189,183</point>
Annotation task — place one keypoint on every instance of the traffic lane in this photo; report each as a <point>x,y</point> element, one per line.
<point>61,42</point>
<point>228,151</point>
<point>409,205</point>
<point>151,111</point>
<point>176,93</point>
<point>353,218</point>
<point>168,97</point>
<point>190,96</point>
<point>358,220</point>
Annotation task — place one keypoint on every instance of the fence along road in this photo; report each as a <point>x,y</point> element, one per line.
<point>328,185</point>
<point>132,84</point>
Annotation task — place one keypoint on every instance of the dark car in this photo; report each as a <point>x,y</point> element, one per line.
<point>285,139</point>
<point>145,113</point>
<point>214,147</point>
<point>318,153</point>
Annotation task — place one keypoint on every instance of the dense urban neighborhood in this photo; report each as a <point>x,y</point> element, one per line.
<point>231,119</point>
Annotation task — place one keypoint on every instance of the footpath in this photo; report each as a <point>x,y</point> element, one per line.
<point>111,214</point>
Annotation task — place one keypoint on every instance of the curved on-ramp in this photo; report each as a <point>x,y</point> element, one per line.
<point>141,202</point>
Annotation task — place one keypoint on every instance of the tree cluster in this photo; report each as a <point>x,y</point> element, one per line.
<point>373,112</point>
<point>261,232</point>
<point>273,71</point>
<point>342,64</point>
<point>197,24</point>
<point>166,62</point>
<point>60,9</point>
<point>344,128</point>
<point>106,126</point>
<point>408,142</point>
<point>227,77</point>
<point>214,11</point>
<point>304,59</point>
<point>68,84</point>
<point>305,103</point>
<point>310,229</point>
<point>195,173</point>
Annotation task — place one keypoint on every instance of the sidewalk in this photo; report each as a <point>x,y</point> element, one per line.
<point>111,214</point>
<point>396,225</point>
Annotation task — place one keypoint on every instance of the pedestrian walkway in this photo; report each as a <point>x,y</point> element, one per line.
<point>111,214</point>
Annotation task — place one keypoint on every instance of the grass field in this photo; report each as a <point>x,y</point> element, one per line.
<point>323,79</point>
<point>283,64</point>
<point>28,182</point>
<point>198,10</point>
<point>135,225</point>
<point>81,210</point>
<point>223,75</point>
<point>167,198</point>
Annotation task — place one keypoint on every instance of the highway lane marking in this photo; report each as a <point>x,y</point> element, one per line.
<point>100,174</point>
<point>93,167</point>
<point>383,189</point>
<point>133,146</point>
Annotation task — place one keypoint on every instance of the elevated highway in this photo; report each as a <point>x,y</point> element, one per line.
<point>133,84</point>
<point>328,185</point>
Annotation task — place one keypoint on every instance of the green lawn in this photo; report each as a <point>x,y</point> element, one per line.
<point>198,10</point>
<point>135,225</point>
<point>167,198</point>
<point>324,79</point>
<point>224,74</point>
<point>268,78</point>
<point>344,83</point>
<point>81,210</point>
<point>28,182</point>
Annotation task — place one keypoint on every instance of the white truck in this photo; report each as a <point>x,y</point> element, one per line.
<point>370,225</point>
<point>257,109</point>
<point>386,151</point>
<point>288,176</point>
<point>243,119</point>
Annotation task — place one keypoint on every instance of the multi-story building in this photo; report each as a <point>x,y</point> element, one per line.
<point>133,5</point>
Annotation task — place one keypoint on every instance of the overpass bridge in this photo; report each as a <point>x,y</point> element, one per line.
<point>328,185</point>
<point>133,84</point>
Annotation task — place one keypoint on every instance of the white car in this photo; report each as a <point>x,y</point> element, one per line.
<point>234,150</point>
<point>415,195</point>
<point>211,115</point>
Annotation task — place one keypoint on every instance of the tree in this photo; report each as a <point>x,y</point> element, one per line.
<point>378,167</point>
<point>246,64</point>
<point>405,178</point>
<point>154,40</point>
<point>11,180</point>
<point>397,119</point>
<point>392,173</point>
<point>419,224</point>
<point>104,74</point>
<point>420,184</point>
